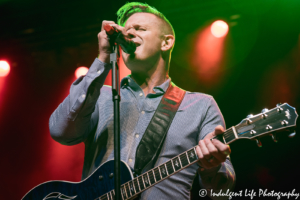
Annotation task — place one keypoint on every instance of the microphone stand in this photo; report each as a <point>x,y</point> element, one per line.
<point>116,99</point>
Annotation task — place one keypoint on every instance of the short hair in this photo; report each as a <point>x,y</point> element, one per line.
<point>135,7</point>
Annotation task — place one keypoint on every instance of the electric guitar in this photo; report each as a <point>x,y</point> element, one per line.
<point>100,184</point>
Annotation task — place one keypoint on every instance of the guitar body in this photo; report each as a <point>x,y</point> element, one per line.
<point>91,188</point>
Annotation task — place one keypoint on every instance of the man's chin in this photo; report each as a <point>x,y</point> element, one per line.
<point>131,56</point>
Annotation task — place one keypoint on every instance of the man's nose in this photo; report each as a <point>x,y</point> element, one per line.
<point>131,33</point>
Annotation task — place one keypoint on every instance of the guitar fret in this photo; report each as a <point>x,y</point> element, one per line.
<point>138,184</point>
<point>183,160</point>
<point>160,173</point>
<point>156,174</point>
<point>177,164</point>
<point>110,195</point>
<point>187,157</point>
<point>163,171</point>
<point>149,178</point>
<point>179,161</point>
<point>173,165</point>
<point>165,165</point>
<point>132,189</point>
<point>113,194</point>
<point>195,153</point>
<point>192,156</point>
<point>224,139</point>
<point>134,186</point>
<point>123,191</point>
<point>143,181</point>
<point>107,196</point>
<point>153,175</point>
<point>128,189</point>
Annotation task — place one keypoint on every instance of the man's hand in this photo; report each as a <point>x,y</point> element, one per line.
<point>105,48</point>
<point>212,153</point>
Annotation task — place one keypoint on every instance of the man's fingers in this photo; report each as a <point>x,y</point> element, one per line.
<point>104,22</point>
<point>223,150</point>
<point>202,161</point>
<point>113,24</point>
<point>219,130</point>
<point>214,153</point>
<point>204,150</point>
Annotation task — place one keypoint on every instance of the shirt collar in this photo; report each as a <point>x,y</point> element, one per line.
<point>128,81</point>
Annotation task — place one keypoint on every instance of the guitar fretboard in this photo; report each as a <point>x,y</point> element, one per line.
<point>155,175</point>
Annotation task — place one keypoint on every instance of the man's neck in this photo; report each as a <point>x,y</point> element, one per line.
<point>148,80</point>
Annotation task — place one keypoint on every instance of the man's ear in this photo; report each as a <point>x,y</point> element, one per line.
<point>167,43</point>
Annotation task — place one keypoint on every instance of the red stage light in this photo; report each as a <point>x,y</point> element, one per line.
<point>4,68</point>
<point>219,28</point>
<point>81,71</point>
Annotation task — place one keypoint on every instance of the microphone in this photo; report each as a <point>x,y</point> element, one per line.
<point>126,44</point>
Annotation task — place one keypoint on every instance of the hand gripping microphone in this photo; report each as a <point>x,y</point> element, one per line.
<point>116,36</point>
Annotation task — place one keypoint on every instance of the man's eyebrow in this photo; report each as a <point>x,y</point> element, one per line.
<point>137,25</point>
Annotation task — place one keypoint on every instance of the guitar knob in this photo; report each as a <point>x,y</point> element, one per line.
<point>258,143</point>
<point>274,137</point>
<point>268,127</point>
<point>100,178</point>
<point>111,175</point>
<point>279,109</point>
<point>292,134</point>
<point>265,110</point>
<point>249,121</point>
<point>249,116</point>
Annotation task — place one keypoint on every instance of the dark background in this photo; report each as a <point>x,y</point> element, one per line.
<point>45,41</point>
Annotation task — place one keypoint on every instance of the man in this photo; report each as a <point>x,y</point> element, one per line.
<point>86,115</point>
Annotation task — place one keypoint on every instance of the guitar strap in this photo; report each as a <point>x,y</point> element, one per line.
<point>156,132</point>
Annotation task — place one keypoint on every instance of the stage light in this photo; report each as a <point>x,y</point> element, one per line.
<point>81,71</point>
<point>4,68</point>
<point>219,28</point>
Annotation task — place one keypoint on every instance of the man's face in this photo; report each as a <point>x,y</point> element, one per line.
<point>145,29</point>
